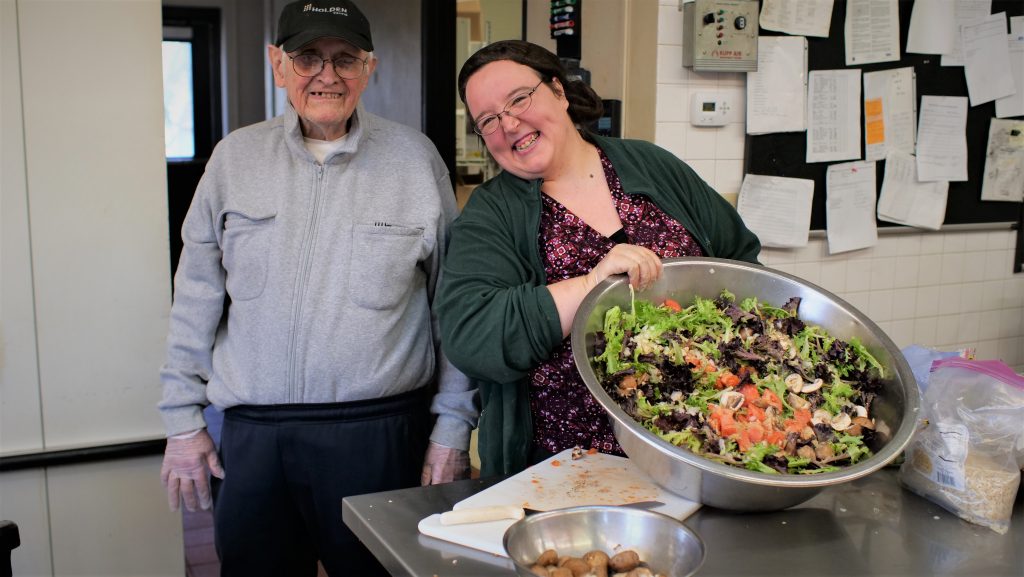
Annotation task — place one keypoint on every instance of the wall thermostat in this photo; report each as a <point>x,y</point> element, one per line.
<point>709,109</point>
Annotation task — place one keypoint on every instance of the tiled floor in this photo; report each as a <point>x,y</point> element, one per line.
<point>200,556</point>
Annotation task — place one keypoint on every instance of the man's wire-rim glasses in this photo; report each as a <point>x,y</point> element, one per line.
<point>346,66</point>
<point>517,105</point>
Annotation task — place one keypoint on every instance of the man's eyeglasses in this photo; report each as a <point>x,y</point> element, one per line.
<point>519,104</point>
<point>346,66</point>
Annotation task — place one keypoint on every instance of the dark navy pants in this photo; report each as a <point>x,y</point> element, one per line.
<point>287,468</point>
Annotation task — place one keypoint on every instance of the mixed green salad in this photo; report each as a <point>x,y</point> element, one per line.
<point>744,383</point>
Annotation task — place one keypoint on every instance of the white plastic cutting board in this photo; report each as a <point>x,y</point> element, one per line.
<point>596,479</point>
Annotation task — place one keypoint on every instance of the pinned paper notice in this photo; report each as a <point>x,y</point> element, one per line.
<point>777,209</point>
<point>1004,161</point>
<point>850,206</point>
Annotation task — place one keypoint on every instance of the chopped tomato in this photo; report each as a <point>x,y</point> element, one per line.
<point>755,432</point>
<point>772,399</point>
<point>556,463</point>
<point>755,414</point>
<point>743,441</point>
<point>749,393</point>
<point>722,421</point>
<point>694,361</point>
<point>591,450</point>
<point>800,420</point>
<point>727,379</point>
<point>777,438</point>
<point>672,305</point>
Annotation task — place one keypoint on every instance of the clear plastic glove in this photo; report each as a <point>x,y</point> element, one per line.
<point>444,464</point>
<point>187,462</point>
<point>642,265</point>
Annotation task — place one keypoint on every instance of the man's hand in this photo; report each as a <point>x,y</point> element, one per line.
<point>443,464</point>
<point>187,461</point>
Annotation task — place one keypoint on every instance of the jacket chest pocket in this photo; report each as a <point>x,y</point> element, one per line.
<point>246,246</point>
<point>383,264</point>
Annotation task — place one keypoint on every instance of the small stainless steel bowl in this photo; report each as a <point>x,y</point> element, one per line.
<point>664,544</point>
<point>698,479</point>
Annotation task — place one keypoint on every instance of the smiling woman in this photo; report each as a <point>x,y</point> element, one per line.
<point>569,209</point>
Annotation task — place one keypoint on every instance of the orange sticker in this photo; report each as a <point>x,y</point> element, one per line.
<point>873,107</point>
<point>875,132</point>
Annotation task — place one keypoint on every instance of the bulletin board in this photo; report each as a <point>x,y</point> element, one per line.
<point>784,154</point>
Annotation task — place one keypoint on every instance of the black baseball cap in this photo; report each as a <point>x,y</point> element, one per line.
<point>305,21</point>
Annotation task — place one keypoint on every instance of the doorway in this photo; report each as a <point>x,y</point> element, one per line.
<point>477,24</point>
<point>192,107</point>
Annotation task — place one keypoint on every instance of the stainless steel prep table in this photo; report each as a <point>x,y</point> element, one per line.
<point>870,526</point>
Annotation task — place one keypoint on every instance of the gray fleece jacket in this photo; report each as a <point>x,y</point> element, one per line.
<point>307,283</point>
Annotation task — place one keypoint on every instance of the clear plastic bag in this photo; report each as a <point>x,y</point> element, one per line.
<point>969,455</point>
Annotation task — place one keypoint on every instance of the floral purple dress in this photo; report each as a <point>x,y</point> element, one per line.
<point>565,414</point>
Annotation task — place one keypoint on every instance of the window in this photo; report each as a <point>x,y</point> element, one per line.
<point>179,129</point>
<point>192,84</point>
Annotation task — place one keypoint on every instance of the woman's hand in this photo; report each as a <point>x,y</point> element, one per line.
<point>642,265</point>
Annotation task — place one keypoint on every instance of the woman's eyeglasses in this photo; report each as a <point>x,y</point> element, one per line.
<point>519,104</point>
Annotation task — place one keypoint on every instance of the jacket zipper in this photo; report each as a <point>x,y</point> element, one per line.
<point>295,384</point>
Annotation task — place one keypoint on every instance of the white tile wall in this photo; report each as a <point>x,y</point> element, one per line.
<point>942,290</point>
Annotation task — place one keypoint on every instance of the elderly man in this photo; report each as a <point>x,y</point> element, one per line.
<point>302,308</point>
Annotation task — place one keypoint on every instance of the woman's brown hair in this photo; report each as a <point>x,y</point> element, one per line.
<point>585,105</point>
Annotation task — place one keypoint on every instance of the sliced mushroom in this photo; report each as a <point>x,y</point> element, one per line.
<point>795,383</point>
<point>860,411</point>
<point>806,452</point>
<point>806,434</point>
<point>812,386</point>
<point>627,385</point>
<point>821,416</point>
<point>731,400</point>
<point>797,402</point>
<point>841,422</point>
<point>824,451</point>
<point>864,422</point>
<point>675,396</point>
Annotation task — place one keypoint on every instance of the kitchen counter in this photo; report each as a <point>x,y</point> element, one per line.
<point>870,526</point>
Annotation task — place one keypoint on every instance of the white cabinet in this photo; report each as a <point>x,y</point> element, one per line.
<point>85,282</point>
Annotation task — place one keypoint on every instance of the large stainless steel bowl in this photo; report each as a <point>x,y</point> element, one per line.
<point>725,486</point>
<point>666,545</point>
